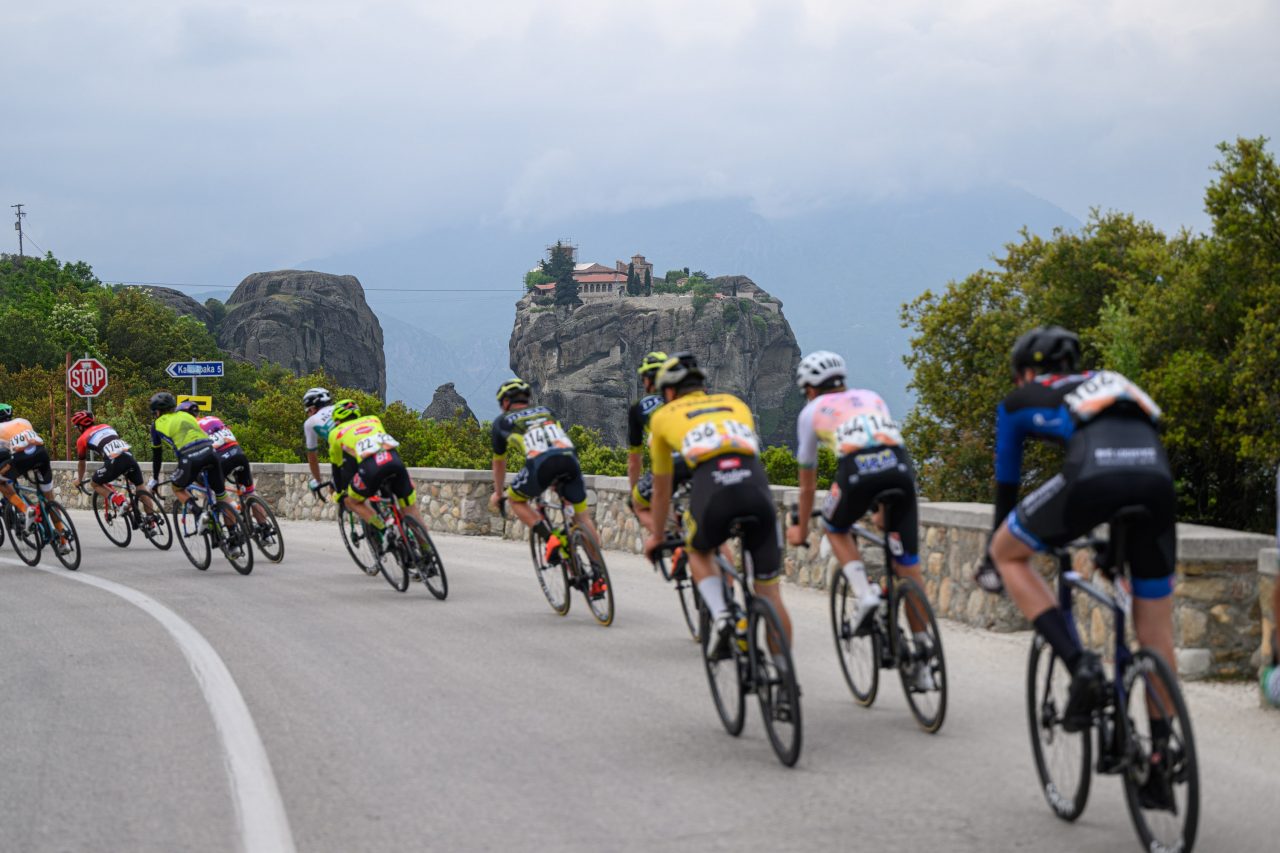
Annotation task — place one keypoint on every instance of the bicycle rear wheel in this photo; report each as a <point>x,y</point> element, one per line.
<point>266,534</point>
<point>774,677</point>
<point>725,677</point>
<point>921,665</point>
<point>859,654</point>
<point>234,539</point>
<point>28,542</point>
<point>1162,781</point>
<point>113,520</point>
<point>554,579</point>
<point>1063,759</point>
<point>361,544</point>
<point>66,543</point>
<point>160,531</point>
<point>426,559</point>
<point>192,537</point>
<point>598,588</point>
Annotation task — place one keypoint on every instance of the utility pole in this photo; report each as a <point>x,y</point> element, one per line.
<point>17,226</point>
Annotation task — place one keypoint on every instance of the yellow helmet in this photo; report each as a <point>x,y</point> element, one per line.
<point>513,387</point>
<point>652,363</point>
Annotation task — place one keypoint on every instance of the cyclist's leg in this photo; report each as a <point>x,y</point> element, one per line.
<point>850,495</point>
<point>524,488</point>
<point>574,490</point>
<point>641,495</point>
<point>40,466</point>
<point>364,485</point>
<point>7,474</point>
<point>752,498</point>
<point>396,474</point>
<point>132,471</point>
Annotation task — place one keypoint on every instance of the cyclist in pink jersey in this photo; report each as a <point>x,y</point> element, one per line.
<point>235,465</point>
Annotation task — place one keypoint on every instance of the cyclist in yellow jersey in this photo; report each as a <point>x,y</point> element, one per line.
<point>368,459</point>
<point>715,434</point>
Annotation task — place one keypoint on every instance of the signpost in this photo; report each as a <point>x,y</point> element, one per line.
<point>87,377</point>
<point>195,370</point>
<point>203,402</point>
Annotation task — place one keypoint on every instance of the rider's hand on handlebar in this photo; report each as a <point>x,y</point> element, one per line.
<point>651,546</point>
<point>313,484</point>
<point>797,535</point>
<point>987,577</point>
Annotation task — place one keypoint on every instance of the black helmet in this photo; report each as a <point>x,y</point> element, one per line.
<point>1046,348</point>
<point>163,401</point>
<point>680,368</point>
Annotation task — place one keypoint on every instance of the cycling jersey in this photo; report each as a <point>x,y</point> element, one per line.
<point>180,431</point>
<point>700,426</point>
<point>638,420</point>
<point>533,429</point>
<point>219,433</point>
<point>316,428</point>
<point>102,440</point>
<point>847,422</point>
<point>360,439</point>
<point>18,435</point>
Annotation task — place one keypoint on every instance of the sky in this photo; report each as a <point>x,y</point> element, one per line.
<point>200,141</point>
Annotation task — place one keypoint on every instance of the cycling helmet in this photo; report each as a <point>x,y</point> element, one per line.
<point>345,410</point>
<point>6,412</point>
<point>1046,348</point>
<point>82,419</point>
<point>819,368</point>
<point>652,363</point>
<point>189,406</point>
<point>163,401</point>
<point>678,369</point>
<point>514,387</point>
<point>316,397</point>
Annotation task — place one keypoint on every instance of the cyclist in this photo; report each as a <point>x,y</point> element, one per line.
<point>856,425</point>
<point>548,456</point>
<point>318,404</point>
<point>22,451</point>
<point>1114,458</point>
<point>367,455</point>
<point>637,431</point>
<point>231,457</point>
<point>715,434</point>
<point>117,460</point>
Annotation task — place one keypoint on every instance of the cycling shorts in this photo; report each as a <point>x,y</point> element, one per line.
<point>733,488</point>
<point>642,493</point>
<point>541,471</point>
<point>383,468</point>
<point>859,478</point>
<point>33,460</point>
<point>192,464</point>
<point>1111,463</point>
<point>235,467</point>
<point>123,465</point>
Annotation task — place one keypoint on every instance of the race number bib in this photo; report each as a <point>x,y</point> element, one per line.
<point>866,430</point>
<point>222,436</point>
<point>114,448</point>
<point>24,439</point>
<point>372,444</point>
<point>546,437</point>
<point>710,439</point>
<point>1104,390</point>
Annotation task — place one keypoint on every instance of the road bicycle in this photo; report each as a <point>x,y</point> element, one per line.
<point>759,659</point>
<point>266,532</point>
<point>121,513</point>
<point>1161,775</point>
<point>51,526</point>
<point>404,538</point>
<point>577,564</point>
<point>211,524</point>
<point>902,634</point>
<point>678,569</point>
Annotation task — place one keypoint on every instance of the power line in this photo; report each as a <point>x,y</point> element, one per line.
<point>383,289</point>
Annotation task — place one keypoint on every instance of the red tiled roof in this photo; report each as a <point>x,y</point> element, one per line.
<point>611,277</point>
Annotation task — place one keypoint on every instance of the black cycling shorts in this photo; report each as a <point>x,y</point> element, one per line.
<point>33,460</point>
<point>1110,463</point>
<point>383,468</point>
<point>862,476</point>
<point>642,493</point>
<point>193,463</point>
<point>123,465</point>
<point>539,472</point>
<point>235,467</point>
<point>733,488</point>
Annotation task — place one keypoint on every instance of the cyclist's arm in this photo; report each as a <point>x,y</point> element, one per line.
<point>808,484</point>
<point>1010,433</point>
<point>635,467</point>
<point>807,457</point>
<point>80,469</point>
<point>660,504</point>
<point>157,457</point>
<point>499,473</point>
<point>313,462</point>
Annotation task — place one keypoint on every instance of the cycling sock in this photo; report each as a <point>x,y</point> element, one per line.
<point>1052,625</point>
<point>856,573</point>
<point>712,592</point>
<point>542,529</point>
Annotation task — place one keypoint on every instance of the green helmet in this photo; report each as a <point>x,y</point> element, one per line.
<point>514,387</point>
<point>345,410</point>
<point>652,363</point>
<point>6,412</point>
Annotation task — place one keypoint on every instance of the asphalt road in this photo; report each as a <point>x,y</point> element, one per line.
<point>393,721</point>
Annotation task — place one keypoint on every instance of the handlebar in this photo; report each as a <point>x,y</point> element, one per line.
<point>793,517</point>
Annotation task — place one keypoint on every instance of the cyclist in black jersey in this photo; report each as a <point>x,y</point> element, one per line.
<point>1114,459</point>
<point>637,433</point>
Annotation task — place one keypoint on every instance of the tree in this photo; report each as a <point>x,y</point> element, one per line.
<point>633,286</point>
<point>559,266</point>
<point>648,282</point>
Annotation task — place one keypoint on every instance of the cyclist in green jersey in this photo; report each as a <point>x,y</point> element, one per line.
<point>190,445</point>
<point>368,459</point>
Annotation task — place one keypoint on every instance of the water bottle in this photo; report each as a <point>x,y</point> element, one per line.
<point>740,632</point>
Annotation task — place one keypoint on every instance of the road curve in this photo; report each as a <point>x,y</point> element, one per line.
<point>487,722</point>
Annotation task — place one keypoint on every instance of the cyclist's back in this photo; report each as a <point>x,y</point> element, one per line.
<point>548,452</point>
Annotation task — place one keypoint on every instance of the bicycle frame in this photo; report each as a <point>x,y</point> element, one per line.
<point>31,493</point>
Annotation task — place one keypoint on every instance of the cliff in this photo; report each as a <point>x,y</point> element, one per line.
<point>447,405</point>
<point>307,321</point>
<point>582,362</point>
<point>181,303</point>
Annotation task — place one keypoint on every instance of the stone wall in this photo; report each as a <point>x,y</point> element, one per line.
<point>1218,621</point>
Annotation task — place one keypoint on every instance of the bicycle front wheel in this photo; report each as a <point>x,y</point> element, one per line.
<point>113,520</point>
<point>235,540</point>
<point>774,677</point>
<point>725,678</point>
<point>192,537</point>
<point>266,532</point>
<point>426,559</point>
<point>552,578</point>
<point>157,529</point>
<point>359,539</point>
<point>921,665</point>
<point>859,654</point>
<point>1063,759</point>
<point>1162,781</point>
<point>598,588</point>
<point>66,543</point>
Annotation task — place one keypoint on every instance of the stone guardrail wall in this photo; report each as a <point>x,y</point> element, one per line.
<point>1218,621</point>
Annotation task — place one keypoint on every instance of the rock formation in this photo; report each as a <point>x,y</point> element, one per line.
<point>307,321</point>
<point>582,362</point>
<point>447,404</point>
<point>181,304</point>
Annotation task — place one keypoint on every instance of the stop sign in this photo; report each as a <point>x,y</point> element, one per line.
<point>87,377</point>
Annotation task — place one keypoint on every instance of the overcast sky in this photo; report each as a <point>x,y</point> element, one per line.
<point>171,140</point>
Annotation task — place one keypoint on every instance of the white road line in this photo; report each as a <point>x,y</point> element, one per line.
<point>264,826</point>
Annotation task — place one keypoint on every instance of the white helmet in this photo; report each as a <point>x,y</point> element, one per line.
<point>317,397</point>
<point>818,368</point>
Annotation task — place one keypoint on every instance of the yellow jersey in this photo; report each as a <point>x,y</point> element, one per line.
<point>359,438</point>
<point>700,426</point>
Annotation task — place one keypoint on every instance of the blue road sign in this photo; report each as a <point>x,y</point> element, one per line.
<point>194,369</point>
